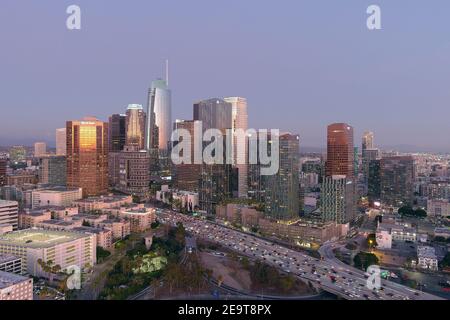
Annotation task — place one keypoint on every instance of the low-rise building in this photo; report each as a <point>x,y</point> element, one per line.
<point>120,228</point>
<point>442,232</point>
<point>426,258</point>
<point>63,248</point>
<point>31,218</point>
<point>55,196</point>
<point>438,208</point>
<point>104,237</point>
<point>15,287</point>
<point>103,202</point>
<point>141,218</point>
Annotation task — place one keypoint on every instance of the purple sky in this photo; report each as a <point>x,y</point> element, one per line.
<point>301,64</point>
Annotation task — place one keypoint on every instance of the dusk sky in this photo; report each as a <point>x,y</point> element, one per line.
<point>300,64</point>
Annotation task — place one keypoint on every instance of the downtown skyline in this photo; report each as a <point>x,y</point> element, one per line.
<point>310,75</point>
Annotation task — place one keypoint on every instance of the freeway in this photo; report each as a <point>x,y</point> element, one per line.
<point>330,275</point>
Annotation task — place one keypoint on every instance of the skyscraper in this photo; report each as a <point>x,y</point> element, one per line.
<point>40,149</point>
<point>186,176</point>
<point>214,113</point>
<point>87,156</point>
<point>61,142</point>
<point>239,118</point>
<point>52,170</point>
<point>340,152</point>
<point>367,141</point>
<point>218,181</point>
<point>135,126</point>
<point>337,199</point>
<point>134,174</point>
<point>117,132</point>
<point>374,181</point>
<point>282,189</point>
<point>397,180</point>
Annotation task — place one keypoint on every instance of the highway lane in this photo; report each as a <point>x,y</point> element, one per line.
<point>332,276</point>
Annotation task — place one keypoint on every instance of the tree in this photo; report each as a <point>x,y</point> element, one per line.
<point>446,261</point>
<point>409,211</point>
<point>365,259</point>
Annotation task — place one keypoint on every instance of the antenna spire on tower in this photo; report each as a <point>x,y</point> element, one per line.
<point>167,72</point>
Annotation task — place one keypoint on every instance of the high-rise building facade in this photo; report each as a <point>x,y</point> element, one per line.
<point>282,189</point>
<point>214,113</point>
<point>40,149</point>
<point>134,174</point>
<point>158,128</point>
<point>374,181</point>
<point>117,132</point>
<point>52,170</point>
<point>186,176</point>
<point>368,155</point>
<point>397,181</point>
<point>367,140</point>
<point>340,150</point>
<point>159,116</point>
<point>87,156</point>
<point>61,142</point>
<point>337,199</point>
<point>135,126</point>
<point>239,118</point>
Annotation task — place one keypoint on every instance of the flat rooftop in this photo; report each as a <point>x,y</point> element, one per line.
<point>8,279</point>
<point>57,189</point>
<point>36,238</point>
<point>105,199</point>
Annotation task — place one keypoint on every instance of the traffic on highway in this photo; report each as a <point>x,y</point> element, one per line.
<point>327,273</point>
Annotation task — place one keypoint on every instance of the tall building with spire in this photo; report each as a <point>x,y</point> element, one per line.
<point>87,156</point>
<point>158,128</point>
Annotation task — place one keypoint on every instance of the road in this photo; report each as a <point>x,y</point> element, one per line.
<point>329,274</point>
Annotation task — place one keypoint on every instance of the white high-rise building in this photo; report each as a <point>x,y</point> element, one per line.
<point>61,142</point>
<point>159,116</point>
<point>240,121</point>
<point>40,149</point>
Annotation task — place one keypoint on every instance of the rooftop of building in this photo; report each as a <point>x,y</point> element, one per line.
<point>426,252</point>
<point>138,210</point>
<point>57,189</point>
<point>89,230</point>
<point>37,238</point>
<point>8,279</point>
<point>61,223</point>
<point>442,230</point>
<point>105,199</point>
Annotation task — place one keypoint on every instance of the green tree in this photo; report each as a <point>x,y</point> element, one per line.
<point>365,259</point>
